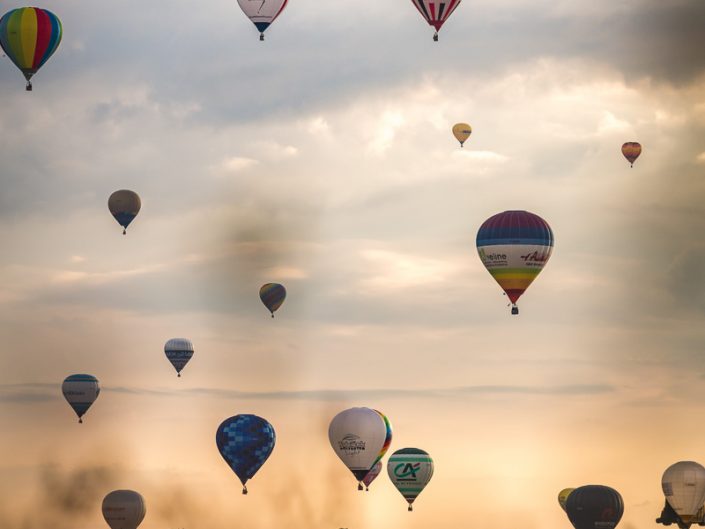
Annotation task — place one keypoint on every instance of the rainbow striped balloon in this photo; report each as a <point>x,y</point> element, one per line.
<point>29,36</point>
<point>514,246</point>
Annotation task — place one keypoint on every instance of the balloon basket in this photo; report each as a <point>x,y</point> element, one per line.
<point>515,310</point>
<point>28,88</point>
<point>359,486</point>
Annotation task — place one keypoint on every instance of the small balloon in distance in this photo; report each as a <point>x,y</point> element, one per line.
<point>462,132</point>
<point>80,391</point>
<point>272,295</point>
<point>178,351</point>
<point>124,205</point>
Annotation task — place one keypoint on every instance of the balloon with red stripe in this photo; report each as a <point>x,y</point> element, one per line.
<point>29,36</point>
<point>262,12</point>
<point>436,12</point>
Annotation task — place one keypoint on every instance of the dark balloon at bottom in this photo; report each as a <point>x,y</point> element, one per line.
<point>594,507</point>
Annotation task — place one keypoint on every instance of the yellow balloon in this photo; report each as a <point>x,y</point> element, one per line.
<point>462,132</point>
<point>563,497</point>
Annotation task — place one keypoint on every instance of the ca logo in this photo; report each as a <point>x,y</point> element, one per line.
<point>406,470</point>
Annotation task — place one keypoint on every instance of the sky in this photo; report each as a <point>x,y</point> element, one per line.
<point>322,159</point>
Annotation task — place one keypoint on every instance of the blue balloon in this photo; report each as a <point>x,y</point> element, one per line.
<point>245,442</point>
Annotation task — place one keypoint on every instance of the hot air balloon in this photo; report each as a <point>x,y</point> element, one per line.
<point>410,469</point>
<point>683,484</point>
<point>359,436</point>
<point>179,351</point>
<point>272,295</point>
<point>514,246</point>
<point>262,12</point>
<point>436,12</point>
<point>124,206</point>
<point>245,442</point>
<point>80,391</point>
<point>29,36</point>
<point>462,132</point>
<point>563,497</point>
<point>631,151</point>
<point>372,475</point>
<point>124,509</point>
<point>594,507</point>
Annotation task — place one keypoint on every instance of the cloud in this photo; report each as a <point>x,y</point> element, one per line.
<point>237,163</point>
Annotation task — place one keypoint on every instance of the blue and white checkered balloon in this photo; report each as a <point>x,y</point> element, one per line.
<point>245,442</point>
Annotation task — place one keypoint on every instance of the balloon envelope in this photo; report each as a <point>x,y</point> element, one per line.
<point>124,206</point>
<point>372,474</point>
<point>245,442</point>
<point>262,12</point>
<point>80,391</point>
<point>359,438</point>
<point>178,351</point>
<point>683,484</point>
<point>514,246</point>
<point>272,295</point>
<point>410,470</point>
<point>594,507</point>
<point>29,36</point>
<point>631,151</point>
<point>563,497</point>
<point>462,132</point>
<point>436,12</point>
<point>124,509</point>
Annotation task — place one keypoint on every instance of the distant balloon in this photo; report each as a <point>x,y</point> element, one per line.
<point>631,151</point>
<point>563,497</point>
<point>80,391</point>
<point>359,437</point>
<point>272,295</point>
<point>514,246</point>
<point>683,485</point>
<point>124,509</point>
<point>594,507</point>
<point>124,206</point>
<point>436,12</point>
<point>462,132</point>
<point>410,470</point>
<point>29,36</point>
<point>179,351</point>
<point>262,12</point>
<point>372,475</point>
<point>245,442</point>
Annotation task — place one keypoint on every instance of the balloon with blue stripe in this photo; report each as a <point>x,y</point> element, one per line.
<point>245,442</point>
<point>178,351</point>
<point>80,391</point>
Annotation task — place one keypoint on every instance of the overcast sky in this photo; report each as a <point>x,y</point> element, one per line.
<point>322,158</point>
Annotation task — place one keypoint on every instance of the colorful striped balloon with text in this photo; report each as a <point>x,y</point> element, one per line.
<point>514,246</point>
